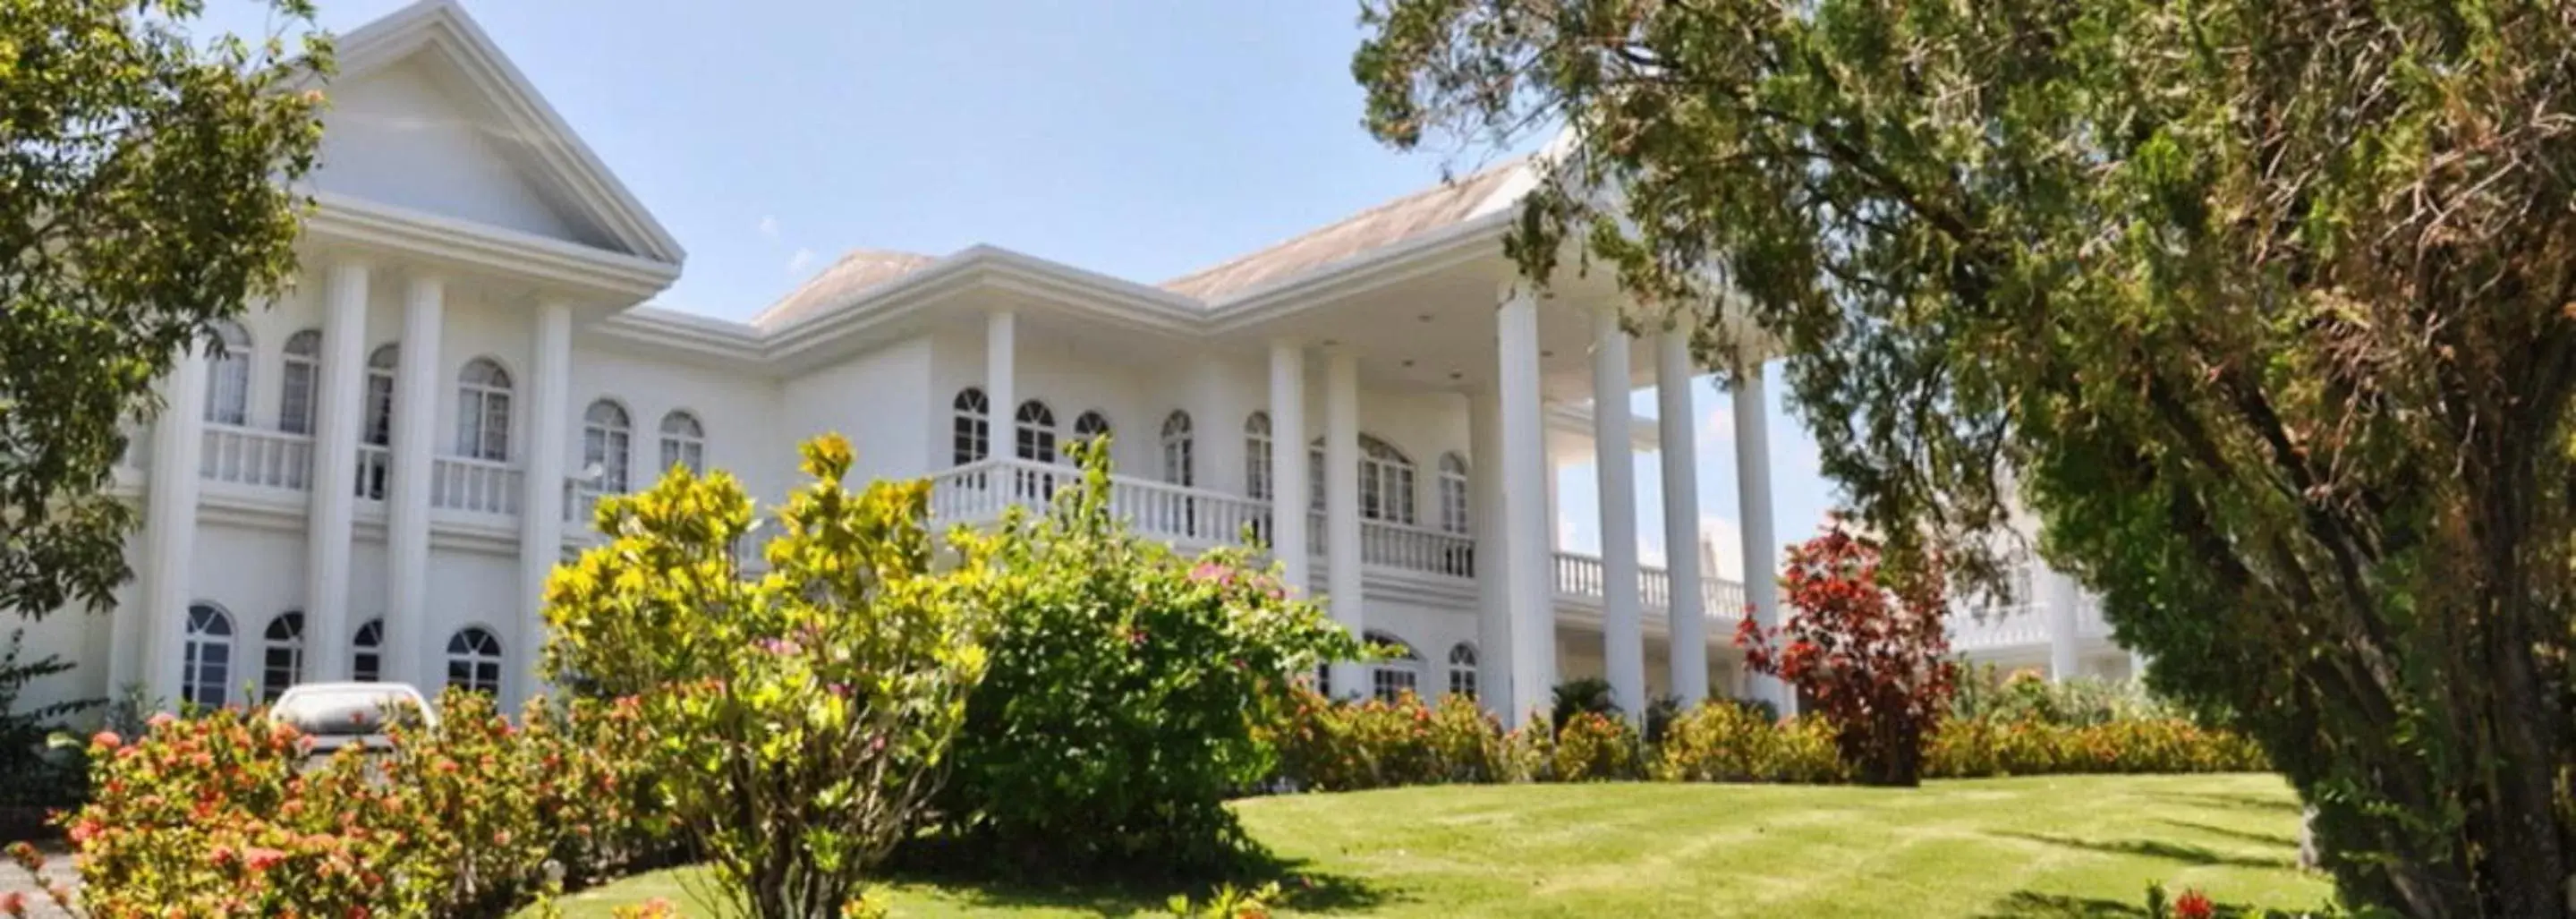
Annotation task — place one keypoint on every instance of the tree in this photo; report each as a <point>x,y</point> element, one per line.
<point>1867,643</point>
<point>2264,305</point>
<point>145,193</point>
<point>802,717</point>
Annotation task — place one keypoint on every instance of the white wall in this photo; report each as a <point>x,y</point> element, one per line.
<point>398,138</point>
<point>739,414</point>
<point>879,400</point>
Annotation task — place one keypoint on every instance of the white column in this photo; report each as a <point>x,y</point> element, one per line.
<point>1753,497</point>
<point>170,528</point>
<point>337,423</point>
<point>1493,611</point>
<point>1678,443</point>
<point>1288,465</point>
<point>1001,385</point>
<point>541,508</point>
<point>1342,507</point>
<point>2057,598</point>
<point>415,437</point>
<point>1623,637</point>
<point>1526,567</point>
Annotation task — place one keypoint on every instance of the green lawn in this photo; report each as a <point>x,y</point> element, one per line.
<point>2066,846</point>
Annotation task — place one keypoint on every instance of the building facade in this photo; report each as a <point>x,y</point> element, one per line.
<point>373,476</point>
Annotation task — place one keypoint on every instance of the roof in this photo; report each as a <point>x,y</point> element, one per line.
<point>558,155</point>
<point>1445,205</point>
<point>844,280</point>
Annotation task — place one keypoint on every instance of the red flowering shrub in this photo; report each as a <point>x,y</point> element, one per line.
<point>222,815</point>
<point>1867,645</point>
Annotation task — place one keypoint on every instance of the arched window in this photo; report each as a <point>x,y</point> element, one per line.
<point>483,411</point>
<point>1453,493</point>
<point>303,367</point>
<point>970,437</point>
<point>1176,449</point>
<point>281,661</point>
<point>1036,427</point>
<point>1090,425</point>
<point>380,394</point>
<point>1399,674</point>
<point>228,375</point>
<point>684,442</point>
<point>1462,670</point>
<point>1386,482</point>
<point>369,664</point>
<point>1256,456</point>
<point>207,664</point>
<point>474,661</point>
<point>606,435</point>
<point>376,458</point>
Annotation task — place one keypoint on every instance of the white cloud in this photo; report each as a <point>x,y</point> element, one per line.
<point>769,227</point>
<point>1718,428</point>
<point>796,263</point>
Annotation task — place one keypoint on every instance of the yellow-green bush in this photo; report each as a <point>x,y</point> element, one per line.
<point>1730,743</point>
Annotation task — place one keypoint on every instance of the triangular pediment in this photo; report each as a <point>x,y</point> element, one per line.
<point>426,115</point>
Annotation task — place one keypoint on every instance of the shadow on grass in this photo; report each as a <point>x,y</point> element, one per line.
<point>2269,839</point>
<point>2027,904</point>
<point>2154,848</point>
<point>2232,802</point>
<point>2024,904</point>
<point>1301,888</point>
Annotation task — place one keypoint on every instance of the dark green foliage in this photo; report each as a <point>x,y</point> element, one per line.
<point>1128,695</point>
<point>34,771</point>
<point>145,192</point>
<point>2261,306</point>
<point>1582,695</point>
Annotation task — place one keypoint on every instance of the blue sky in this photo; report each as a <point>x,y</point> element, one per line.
<point>1141,138</point>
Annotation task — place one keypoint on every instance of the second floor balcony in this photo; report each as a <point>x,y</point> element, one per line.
<point>279,465</point>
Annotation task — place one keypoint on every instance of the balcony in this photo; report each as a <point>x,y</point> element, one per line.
<point>474,486</point>
<point>273,460</point>
<point>1582,580</point>
<point>980,493</point>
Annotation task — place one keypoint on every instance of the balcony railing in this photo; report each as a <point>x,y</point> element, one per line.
<point>1582,577</point>
<point>1414,548</point>
<point>474,485</point>
<point>1998,627</point>
<point>261,459</point>
<point>375,465</point>
<point>980,491</point>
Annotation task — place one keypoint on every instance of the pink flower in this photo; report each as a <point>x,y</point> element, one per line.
<point>106,740</point>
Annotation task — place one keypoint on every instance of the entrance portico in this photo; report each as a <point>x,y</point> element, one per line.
<point>1516,363</point>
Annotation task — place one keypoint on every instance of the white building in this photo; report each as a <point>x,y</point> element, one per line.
<point>376,477</point>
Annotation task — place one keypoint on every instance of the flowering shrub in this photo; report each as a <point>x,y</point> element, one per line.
<point>1977,749</point>
<point>1327,745</point>
<point>1129,695</point>
<point>1866,643</point>
<point>1986,693</point>
<point>1593,747</point>
<point>219,815</point>
<point>802,718</point>
<point>1721,742</point>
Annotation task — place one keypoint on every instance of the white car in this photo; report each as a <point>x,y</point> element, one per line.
<point>336,715</point>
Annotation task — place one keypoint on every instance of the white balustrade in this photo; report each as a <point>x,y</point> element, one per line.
<point>1414,548</point>
<point>981,491</point>
<point>375,465</point>
<point>261,459</point>
<point>1581,577</point>
<point>475,485</point>
<point>1997,627</point>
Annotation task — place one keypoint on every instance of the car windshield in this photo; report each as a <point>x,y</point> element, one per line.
<point>346,714</point>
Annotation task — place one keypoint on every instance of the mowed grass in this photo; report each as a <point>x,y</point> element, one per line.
<point>2029,847</point>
